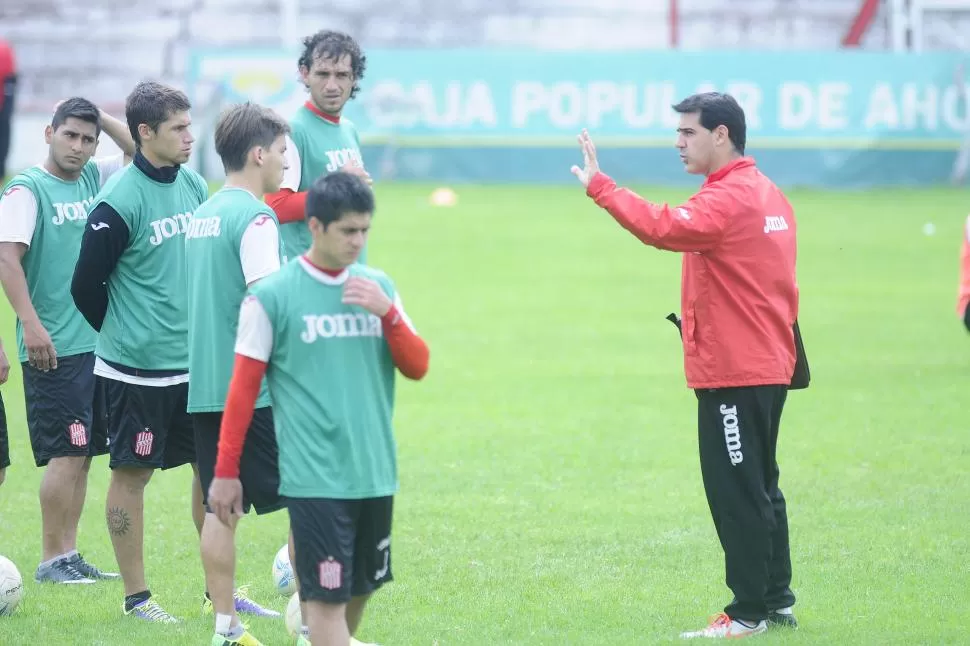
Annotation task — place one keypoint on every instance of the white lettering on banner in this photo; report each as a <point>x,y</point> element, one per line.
<point>919,107</point>
<point>953,101</point>
<point>882,110</point>
<point>801,106</point>
<point>794,105</point>
<point>462,105</point>
<point>573,105</point>
<point>70,211</point>
<point>832,98</point>
<point>328,326</point>
<point>166,228</point>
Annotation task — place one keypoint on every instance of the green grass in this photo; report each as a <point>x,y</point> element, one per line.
<point>550,490</point>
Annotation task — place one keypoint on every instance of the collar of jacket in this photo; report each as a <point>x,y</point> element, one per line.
<point>723,171</point>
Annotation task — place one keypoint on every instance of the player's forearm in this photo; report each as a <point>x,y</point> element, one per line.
<point>632,212</point>
<point>15,288</point>
<point>104,241</point>
<point>692,227</point>
<point>410,353</point>
<point>288,205</point>
<point>118,131</point>
<point>247,375</point>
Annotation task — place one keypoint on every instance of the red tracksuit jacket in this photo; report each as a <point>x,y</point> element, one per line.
<point>739,297</point>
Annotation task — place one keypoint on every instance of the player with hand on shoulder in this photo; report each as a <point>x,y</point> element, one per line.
<point>322,140</point>
<point>233,241</point>
<point>130,284</point>
<point>329,335</point>
<point>43,212</point>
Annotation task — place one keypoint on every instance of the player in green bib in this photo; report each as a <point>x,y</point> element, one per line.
<point>321,140</point>
<point>329,335</point>
<point>130,284</point>
<point>43,212</point>
<point>232,242</point>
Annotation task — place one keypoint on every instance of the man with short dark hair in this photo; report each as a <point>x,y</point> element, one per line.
<point>739,305</point>
<point>232,243</point>
<point>130,284</point>
<point>329,335</point>
<point>42,217</point>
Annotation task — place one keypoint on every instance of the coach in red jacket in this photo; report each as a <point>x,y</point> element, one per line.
<point>739,302</point>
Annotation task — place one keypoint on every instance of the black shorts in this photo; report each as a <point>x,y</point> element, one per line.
<point>148,426</point>
<point>259,468</point>
<point>966,318</point>
<point>343,547</point>
<point>66,409</point>
<point>4,442</point>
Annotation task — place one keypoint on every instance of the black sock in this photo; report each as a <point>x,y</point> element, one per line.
<point>133,600</point>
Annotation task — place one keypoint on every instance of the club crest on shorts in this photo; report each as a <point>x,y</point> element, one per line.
<point>330,574</point>
<point>144,441</point>
<point>77,433</point>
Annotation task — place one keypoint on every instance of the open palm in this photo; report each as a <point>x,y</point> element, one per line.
<point>590,165</point>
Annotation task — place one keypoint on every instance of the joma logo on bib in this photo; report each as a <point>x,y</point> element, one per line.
<point>339,158</point>
<point>167,228</point>
<point>204,228</point>
<point>329,326</point>
<point>70,211</point>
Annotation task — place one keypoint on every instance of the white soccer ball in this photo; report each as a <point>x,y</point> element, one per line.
<point>294,619</point>
<point>11,587</point>
<point>283,572</point>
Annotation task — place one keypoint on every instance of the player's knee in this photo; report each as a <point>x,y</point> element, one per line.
<point>68,465</point>
<point>133,478</point>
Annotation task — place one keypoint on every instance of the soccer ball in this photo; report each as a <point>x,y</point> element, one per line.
<point>283,572</point>
<point>294,620</point>
<point>11,586</point>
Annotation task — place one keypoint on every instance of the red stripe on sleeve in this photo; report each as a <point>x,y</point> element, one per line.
<point>289,206</point>
<point>247,374</point>
<point>409,351</point>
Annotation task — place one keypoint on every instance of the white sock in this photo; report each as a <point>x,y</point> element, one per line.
<point>306,631</point>
<point>223,624</point>
<point>784,611</point>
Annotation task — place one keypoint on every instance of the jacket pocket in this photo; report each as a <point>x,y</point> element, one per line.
<point>690,330</point>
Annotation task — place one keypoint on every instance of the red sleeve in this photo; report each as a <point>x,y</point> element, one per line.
<point>247,374</point>
<point>409,351</point>
<point>289,206</point>
<point>695,226</point>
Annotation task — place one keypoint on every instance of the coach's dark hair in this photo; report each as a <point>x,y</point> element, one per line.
<point>717,109</point>
<point>152,103</point>
<point>77,108</point>
<point>243,127</point>
<point>335,195</point>
<point>333,45</point>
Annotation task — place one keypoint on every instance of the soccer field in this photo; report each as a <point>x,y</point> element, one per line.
<point>550,485</point>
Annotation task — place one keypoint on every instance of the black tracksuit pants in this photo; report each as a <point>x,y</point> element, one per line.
<point>737,436</point>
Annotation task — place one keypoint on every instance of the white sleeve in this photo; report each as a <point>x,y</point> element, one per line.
<point>108,166</point>
<point>404,316</point>
<point>292,175</point>
<point>255,336</point>
<point>259,250</point>
<point>18,215</point>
